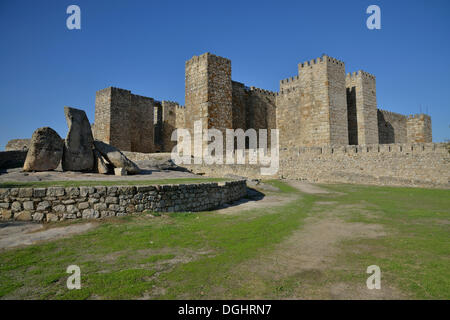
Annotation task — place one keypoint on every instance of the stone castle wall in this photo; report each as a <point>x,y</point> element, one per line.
<point>361,108</point>
<point>391,127</point>
<point>418,128</point>
<point>59,203</point>
<point>415,165</point>
<point>124,120</point>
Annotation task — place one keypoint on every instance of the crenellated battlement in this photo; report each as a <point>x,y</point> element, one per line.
<point>290,79</point>
<point>374,148</point>
<point>359,73</point>
<point>205,56</point>
<point>321,60</point>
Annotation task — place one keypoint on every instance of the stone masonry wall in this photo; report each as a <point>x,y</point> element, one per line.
<point>288,117</point>
<point>412,165</point>
<point>418,128</point>
<point>59,203</point>
<point>415,165</point>
<point>337,102</point>
<point>141,123</point>
<point>124,120</point>
<point>361,108</point>
<point>391,127</point>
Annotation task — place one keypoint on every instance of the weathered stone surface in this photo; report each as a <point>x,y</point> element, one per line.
<point>18,145</point>
<point>101,165</point>
<point>46,150</point>
<point>6,214</point>
<point>78,154</point>
<point>120,172</point>
<point>23,216</point>
<point>115,157</point>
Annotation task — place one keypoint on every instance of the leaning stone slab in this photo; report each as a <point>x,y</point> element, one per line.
<point>115,157</point>
<point>46,150</point>
<point>78,154</point>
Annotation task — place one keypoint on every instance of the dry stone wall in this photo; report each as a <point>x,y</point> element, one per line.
<point>59,203</point>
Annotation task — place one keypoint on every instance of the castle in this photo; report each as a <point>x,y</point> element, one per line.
<point>321,106</point>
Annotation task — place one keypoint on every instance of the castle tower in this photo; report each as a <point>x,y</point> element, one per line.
<point>208,94</point>
<point>124,120</point>
<point>323,111</point>
<point>112,120</point>
<point>418,128</point>
<point>361,108</point>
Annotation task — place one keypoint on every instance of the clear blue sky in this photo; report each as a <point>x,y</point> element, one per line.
<point>142,46</point>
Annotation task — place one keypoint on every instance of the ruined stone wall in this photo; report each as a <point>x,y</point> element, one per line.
<point>361,108</point>
<point>391,127</point>
<point>418,128</point>
<point>58,203</point>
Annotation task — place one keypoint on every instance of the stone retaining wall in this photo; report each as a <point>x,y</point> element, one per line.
<point>59,203</point>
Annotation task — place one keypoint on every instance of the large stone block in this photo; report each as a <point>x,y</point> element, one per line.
<point>46,150</point>
<point>78,153</point>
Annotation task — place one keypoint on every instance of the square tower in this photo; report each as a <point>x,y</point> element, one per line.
<point>208,95</point>
<point>361,108</point>
<point>323,102</point>
<point>112,121</point>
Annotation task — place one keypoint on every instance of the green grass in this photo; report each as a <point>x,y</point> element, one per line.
<point>195,256</point>
<point>415,253</point>
<point>78,183</point>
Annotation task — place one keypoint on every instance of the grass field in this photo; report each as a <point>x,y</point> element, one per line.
<point>314,246</point>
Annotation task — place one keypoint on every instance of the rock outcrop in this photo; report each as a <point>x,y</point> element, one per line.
<point>18,145</point>
<point>115,157</point>
<point>45,152</point>
<point>78,154</point>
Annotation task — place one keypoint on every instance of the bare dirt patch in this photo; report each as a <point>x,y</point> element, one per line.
<point>307,187</point>
<point>14,234</point>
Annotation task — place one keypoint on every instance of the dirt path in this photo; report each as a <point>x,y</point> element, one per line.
<point>311,253</point>
<point>307,187</point>
<point>14,234</point>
